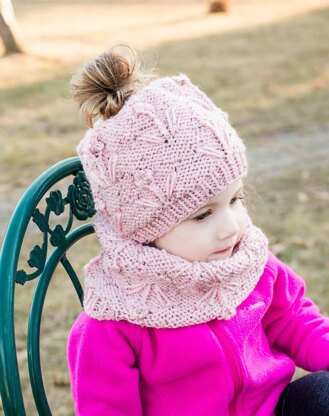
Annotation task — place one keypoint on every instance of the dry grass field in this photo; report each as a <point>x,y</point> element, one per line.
<point>265,62</point>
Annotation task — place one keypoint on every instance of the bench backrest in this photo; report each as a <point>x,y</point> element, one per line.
<point>44,258</point>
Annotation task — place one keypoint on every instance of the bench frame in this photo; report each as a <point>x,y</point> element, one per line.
<point>81,207</point>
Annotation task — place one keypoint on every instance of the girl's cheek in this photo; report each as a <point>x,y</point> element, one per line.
<point>243,219</point>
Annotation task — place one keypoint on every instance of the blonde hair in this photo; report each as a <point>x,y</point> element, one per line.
<point>103,84</point>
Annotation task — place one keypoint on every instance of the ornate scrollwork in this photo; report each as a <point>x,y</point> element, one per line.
<point>80,200</point>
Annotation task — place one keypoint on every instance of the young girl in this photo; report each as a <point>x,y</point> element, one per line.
<point>186,311</point>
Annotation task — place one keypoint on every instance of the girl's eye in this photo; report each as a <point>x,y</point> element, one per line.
<point>235,199</point>
<point>202,216</point>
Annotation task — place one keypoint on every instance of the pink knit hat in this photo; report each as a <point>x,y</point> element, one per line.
<point>160,158</point>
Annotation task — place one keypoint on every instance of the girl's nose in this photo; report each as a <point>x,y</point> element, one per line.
<point>228,226</point>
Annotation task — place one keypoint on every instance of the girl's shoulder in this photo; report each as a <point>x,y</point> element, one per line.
<point>273,263</point>
<point>86,326</point>
<point>280,270</point>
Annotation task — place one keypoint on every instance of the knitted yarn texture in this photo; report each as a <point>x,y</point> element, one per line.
<point>151,287</point>
<point>159,159</point>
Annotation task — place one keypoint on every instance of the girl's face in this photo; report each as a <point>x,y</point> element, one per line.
<point>212,232</point>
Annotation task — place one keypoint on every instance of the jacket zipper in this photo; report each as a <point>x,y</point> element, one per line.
<point>226,344</point>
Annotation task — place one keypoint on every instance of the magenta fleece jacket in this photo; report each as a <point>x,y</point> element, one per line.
<point>219,368</point>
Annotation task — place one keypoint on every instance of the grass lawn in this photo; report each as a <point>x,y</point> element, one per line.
<point>269,71</point>
<point>265,63</point>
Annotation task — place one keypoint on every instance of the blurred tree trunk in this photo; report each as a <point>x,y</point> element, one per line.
<point>7,28</point>
<point>218,6</point>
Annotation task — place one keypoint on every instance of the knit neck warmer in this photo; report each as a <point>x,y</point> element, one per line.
<point>151,287</point>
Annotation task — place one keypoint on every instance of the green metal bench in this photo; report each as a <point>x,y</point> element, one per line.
<point>44,258</point>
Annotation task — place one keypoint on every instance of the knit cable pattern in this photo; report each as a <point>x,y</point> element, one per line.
<point>167,151</point>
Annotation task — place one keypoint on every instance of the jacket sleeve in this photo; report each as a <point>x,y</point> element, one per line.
<point>293,323</point>
<point>102,366</point>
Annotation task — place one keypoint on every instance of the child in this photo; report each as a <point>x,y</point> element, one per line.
<point>186,311</point>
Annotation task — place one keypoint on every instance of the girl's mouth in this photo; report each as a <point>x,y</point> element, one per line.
<point>223,251</point>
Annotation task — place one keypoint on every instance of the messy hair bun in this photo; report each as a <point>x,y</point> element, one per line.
<point>102,86</point>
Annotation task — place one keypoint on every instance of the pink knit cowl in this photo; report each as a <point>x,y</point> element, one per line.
<point>151,287</point>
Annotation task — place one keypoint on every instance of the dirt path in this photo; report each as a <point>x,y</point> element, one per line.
<point>275,156</point>
<point>288,152</point>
